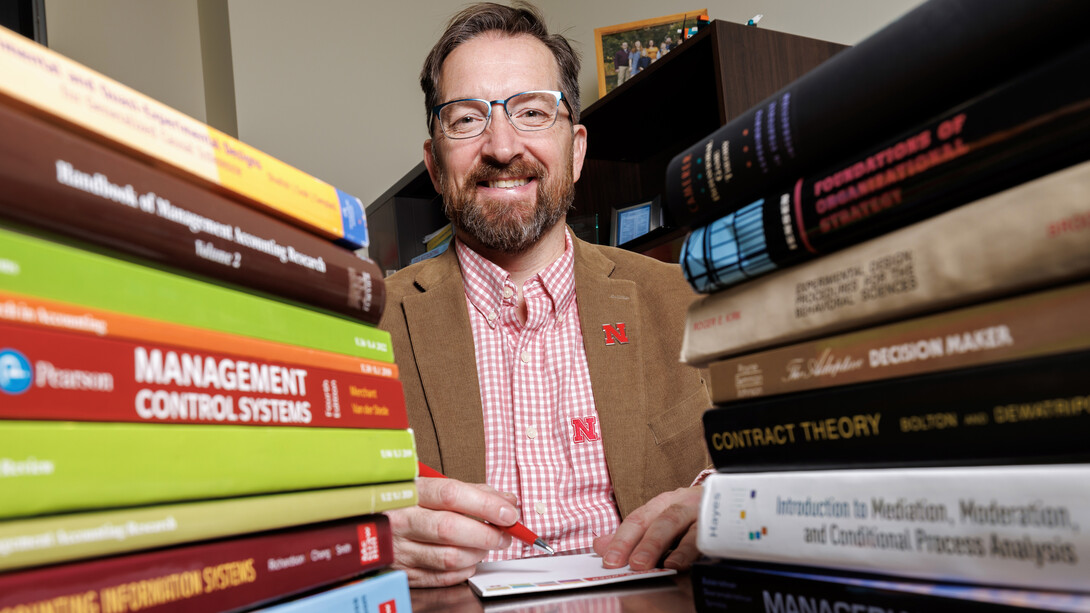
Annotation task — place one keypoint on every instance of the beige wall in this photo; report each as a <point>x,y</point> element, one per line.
<point>151,45</point>
<point>331,85</point>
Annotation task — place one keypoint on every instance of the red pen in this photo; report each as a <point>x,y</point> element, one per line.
<point>518,530</point>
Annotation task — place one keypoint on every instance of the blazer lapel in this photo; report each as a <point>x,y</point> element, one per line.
<point>616,368</point>
<point>442,342</point>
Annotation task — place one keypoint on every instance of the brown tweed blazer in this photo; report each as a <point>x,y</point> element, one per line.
<point>649,405</point>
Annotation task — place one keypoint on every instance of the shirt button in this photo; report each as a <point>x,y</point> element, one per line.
<point>539,507</point>
<point>491,316</point>
<point>507,292</point>
<point>525,357</point>
<point>559,319</point>
<point>531,432</point>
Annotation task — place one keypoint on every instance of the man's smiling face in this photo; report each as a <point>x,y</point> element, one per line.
<point>506,187</point>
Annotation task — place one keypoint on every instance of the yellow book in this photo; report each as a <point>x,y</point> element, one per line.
<point>61,90</point>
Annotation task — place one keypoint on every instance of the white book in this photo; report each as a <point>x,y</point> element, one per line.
<point>1011,526</point>
<point>1029,236</point>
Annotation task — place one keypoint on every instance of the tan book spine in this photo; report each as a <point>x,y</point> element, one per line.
<point>1037,324</point>
<point>1025,237</point>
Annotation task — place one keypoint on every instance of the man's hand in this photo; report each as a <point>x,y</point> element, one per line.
<point>440,541</point>
<point>666,521</point>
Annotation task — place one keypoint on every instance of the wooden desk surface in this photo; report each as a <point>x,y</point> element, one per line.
<point>665,594</point>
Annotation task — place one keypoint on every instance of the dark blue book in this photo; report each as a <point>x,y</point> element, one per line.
<point>937,55</point>
<point>738,587</point>
<point>1034,124</point>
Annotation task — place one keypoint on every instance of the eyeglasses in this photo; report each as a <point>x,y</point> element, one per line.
<point>527,111</point>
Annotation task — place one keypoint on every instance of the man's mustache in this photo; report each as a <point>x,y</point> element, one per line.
<point>485,171</point>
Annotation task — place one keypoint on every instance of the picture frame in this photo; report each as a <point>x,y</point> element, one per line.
<point>608,39</point>
<point>631,221</point>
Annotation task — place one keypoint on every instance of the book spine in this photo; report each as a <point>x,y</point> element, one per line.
<point>386,592</point>
<point>57,467</point>
<point>1012,526</point>
<point>1032,125</point>
<point>217,576</point>
<point>45,269</point>
<point>56,88</point>
<point>81,378</point>
<point>1032,411</point>
<point>38,541</point>
<point>1033,325</point>
<point>427,255</point>
<point>440,236</point>
<point>78,319</point>
<point>66,184</point>
<point>872,90</point>
<point>723,585</point>
<point>1022,238</point>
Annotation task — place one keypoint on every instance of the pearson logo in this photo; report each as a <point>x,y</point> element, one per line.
<point>15,372</point>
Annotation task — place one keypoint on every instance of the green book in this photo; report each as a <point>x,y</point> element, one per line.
<point>74,536</point>
<point>54,467</point>
<point>46,269</point>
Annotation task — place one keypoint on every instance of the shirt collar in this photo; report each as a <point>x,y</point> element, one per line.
<point>485,281</point>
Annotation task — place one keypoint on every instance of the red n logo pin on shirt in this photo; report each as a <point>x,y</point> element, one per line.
<point>615,333</point>
<point>585,429</point>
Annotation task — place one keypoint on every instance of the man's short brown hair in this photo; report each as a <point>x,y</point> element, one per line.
<point>518,19</point>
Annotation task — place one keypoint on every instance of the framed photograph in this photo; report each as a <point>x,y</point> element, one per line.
<point>623,50</point>
<point>634,220</point>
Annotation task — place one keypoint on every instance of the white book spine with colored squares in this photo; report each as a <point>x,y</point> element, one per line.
<point>1013,526</point>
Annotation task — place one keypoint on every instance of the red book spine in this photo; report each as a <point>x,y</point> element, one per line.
<point>213,576</point>
<point>58,181</point>
<point>82,319</point>
<point>70,376</point>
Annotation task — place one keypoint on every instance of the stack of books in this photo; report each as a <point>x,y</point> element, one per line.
<point>435,243</point>
<point>895,254</point>
<point>197,411</point>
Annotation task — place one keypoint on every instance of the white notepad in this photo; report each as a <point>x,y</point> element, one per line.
<point>551,573</point>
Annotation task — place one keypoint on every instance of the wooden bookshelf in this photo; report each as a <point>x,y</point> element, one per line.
<point>632,133</point>
<point>398,220</point>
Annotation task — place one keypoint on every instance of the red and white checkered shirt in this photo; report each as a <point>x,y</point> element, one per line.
<point>541,433</point>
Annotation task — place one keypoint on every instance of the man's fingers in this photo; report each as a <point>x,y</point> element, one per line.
<point>650,531</point>
<point>632,529</point>
<point>441,540</point>
<point>440,558</point>
<point>685,554</point>
<point>661,535</point>
<point>441,547</point>
<point>467,499</point>
<point>419,577</point>
<point>627,536</point>
<point>446,528</point>
<point>601,544</point>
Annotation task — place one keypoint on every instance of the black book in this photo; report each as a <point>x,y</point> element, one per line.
<point>938,55</point>
<point>1025,411</point>
<point>1032,125</point>
<point>725,585</point>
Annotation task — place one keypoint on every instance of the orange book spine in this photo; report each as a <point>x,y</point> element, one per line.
<point>29,310</point>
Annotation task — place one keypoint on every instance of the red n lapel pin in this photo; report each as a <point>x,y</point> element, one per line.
<point>615,333</point>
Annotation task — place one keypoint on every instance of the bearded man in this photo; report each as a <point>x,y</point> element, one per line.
<point>541,372</point>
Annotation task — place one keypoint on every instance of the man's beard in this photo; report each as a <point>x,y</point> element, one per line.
<point>502,225</point>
